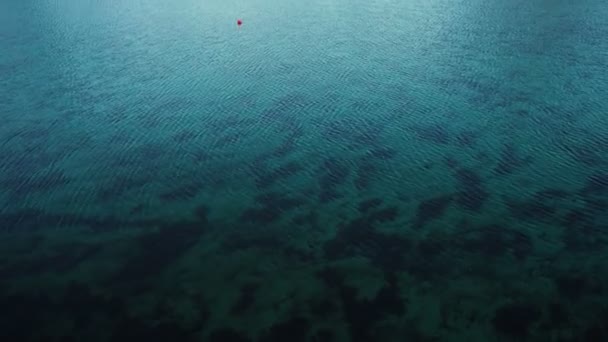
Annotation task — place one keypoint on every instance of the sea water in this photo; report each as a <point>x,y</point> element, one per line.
<point>330,170</point>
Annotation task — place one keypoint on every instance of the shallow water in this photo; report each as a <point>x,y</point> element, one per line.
<point>329,171</point>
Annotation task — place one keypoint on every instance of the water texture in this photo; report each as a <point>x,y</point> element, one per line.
<point>332,170</point>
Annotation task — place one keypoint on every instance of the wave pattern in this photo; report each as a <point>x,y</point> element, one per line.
<point>328,171</point>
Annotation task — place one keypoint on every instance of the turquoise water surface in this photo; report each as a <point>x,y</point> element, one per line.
<point>331,170</point>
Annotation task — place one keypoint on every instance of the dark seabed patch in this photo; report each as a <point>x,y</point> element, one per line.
<point>61,260</point>
<point>434,133</point>
<point>134,329</point>
<point>467,138</point>
<point>584,238</point>
<point>494,241</point>
<point>577,218</point>
<point>227,335</point>
<point>452,163</point>
<point>21,313</point>
<point>361,237</point>
<point>157,250</point>
<point>269,208</point>
<point>266,179</point>
<point>597,184</point>
<point>432,246</point>
<point>78,305</point>
<point>515,320</point>
<point>472,195</point>
<point>288,146</point>
<point>558,318</point>
<point>294,329</point>
<point>24,185</point>
<point>511,160</point>
<point>182,193</point>
<point>245,300</point>
<point>76,311</point>
<point>308,220</point>
<point>384,215</point>
<point>431,209</point>
<point>366,205</point>
<point>264,241</point>
<point>468,178</point>
<point>597,331</point>
<point>533,209</point>
<point>574,285</point>
<point>120,185</point>
<point>323,335</point>
<point>260,215</point>
<point>362,315</point>
<point>334,173</point>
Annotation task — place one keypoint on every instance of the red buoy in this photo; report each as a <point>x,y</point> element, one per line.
<point>239,22</point>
